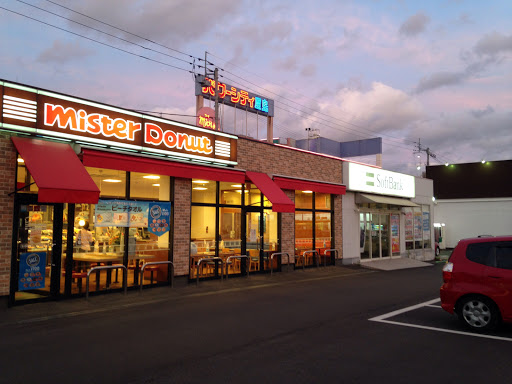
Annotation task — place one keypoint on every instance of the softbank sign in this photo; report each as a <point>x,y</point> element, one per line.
<point>374,180</point>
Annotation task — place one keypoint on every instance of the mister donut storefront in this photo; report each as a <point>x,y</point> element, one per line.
<point>142,200</point>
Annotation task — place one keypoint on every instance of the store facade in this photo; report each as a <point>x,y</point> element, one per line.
<point>91,185</point>
<point>386,214</point>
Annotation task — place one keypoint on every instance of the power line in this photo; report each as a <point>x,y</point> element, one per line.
<point>94,40</point>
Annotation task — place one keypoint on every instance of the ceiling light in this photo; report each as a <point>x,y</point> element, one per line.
<point>200,188</point>
<point>112,180</point>
<point>155,185</point>
<point>152,177</point>
<point>307,191</point>
<point>20,160</point>
<point>236,185</point>
<point>200,181</point>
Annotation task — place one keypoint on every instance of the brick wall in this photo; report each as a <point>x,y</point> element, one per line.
<point>7,175</point>
<point>182,199</point>
<point>259,156</point>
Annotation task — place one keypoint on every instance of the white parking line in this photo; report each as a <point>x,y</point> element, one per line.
<point>382,319</point>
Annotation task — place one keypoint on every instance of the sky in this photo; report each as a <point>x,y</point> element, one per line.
<point>434,72</point>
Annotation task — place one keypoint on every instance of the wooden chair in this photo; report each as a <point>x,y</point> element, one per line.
<point>254,259</point>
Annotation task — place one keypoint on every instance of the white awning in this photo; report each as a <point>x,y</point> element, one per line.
<point>363,198</point>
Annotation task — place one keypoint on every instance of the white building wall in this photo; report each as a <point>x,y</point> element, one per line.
<point>424,192</point>
<point>351,250</point>
<point>473,217</point>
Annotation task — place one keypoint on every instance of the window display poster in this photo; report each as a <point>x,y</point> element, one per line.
<point>32,271</point>
<point>408,226</point>
<point>395,233</point>
<point>418,226</point>
<point>159,218</point>
<point>121,213</point>
<point>426,225</point>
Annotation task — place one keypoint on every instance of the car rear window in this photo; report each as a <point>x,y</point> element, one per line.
<point>504,256</point>
<point>479,252</point>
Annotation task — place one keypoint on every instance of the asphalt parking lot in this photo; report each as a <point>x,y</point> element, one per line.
<point>430,316</point>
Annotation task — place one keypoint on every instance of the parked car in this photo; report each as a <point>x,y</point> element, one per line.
<point>478,282</point>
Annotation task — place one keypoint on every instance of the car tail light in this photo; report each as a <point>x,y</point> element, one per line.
<point>447,272</point>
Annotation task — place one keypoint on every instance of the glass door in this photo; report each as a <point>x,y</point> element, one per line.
<point>385,235</point>
<point>38,248</point>
<point>253,239</point>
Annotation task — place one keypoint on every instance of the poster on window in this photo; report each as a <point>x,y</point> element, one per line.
<point>395,233</point>
<point>159,218</point>
<point>426,225</point>
<point>418,226</point>
<point>408,226</point>
<point>32,271</point>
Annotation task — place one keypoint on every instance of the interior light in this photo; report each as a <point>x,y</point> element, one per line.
<point>152,177</point>
<point>20,160</point>
<point>483,161</point>
<point>307,191</point>
<point>81,222</point>
<point>200,181</point>
<point>236,185</point>
<point>112,180</point>
<point>155,185</point>
<point>200,188</point>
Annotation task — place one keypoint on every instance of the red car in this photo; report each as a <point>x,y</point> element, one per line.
<point>478,282</point>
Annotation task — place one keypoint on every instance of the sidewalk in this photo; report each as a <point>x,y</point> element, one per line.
<point>393,264</point>
<point>182,289</point>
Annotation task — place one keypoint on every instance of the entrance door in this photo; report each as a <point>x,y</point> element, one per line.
<point>37,249</point>
<point>254,239</point>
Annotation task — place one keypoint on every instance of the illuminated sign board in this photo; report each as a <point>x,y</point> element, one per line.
<point>57,116</point>
<point>206,118</point>
<point>234,97</point>
<point>374,180</point>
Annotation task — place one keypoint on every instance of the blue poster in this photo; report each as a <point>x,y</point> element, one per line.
<point>32,270</point>
<point>159,219</point>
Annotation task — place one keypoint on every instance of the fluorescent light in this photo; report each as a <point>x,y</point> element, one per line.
<point>20,160</point>
<point>155,185</point>
<point>152,177</point>
<point>200,181</point>
<point>112,180</point>
<point>307,191</point>
<point>200,188</point>
<point>236,185</point>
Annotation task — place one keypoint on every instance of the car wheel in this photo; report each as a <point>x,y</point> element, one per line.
<point>478,313</point>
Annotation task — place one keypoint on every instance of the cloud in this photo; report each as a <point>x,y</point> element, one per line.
<point>414,25</point>
<point>478,113</point>
<point>308,70</point>
<point>440,79</point>
<point>61,52</point>
<point>493,44</point>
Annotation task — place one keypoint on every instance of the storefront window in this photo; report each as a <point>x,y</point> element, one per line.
<point>426,226</point>
<point>313,225</point>
<point>253,195</point>
<point>111,182</point>
<point>149,186</point>
<point>304,199</point>
<point>204,191</point>
<point>202,238</point>
<point>25,183</point>
<point>409,228</point>
<point>230,193</point>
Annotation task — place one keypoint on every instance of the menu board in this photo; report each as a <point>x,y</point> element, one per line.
<point>32,271</point>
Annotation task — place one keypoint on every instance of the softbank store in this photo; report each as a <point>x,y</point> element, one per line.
<point>386,214</point>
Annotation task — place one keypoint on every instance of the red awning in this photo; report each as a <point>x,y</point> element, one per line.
<point>280,202</point>
<point>57,171</point>
<point>140,164</point>
<point>309,185</point>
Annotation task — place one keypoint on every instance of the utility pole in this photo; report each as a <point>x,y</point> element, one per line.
<point>427,150</point>
<point>216,80</point>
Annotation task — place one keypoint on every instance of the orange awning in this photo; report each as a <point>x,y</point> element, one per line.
<point>57,172</point>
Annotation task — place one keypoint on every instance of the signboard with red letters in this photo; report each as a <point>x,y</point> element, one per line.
<point>38,112</point>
